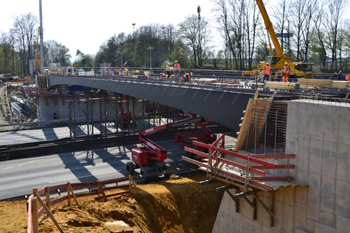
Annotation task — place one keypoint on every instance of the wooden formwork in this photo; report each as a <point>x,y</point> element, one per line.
<point>253,122</point>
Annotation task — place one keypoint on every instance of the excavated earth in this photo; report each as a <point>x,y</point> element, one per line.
<point>174,205</point>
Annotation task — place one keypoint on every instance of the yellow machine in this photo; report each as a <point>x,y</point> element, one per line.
<point>297,69</point>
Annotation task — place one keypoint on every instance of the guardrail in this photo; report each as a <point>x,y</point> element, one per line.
<point>32,204</point>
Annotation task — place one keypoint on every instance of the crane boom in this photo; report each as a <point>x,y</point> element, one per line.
<point>270,29</point>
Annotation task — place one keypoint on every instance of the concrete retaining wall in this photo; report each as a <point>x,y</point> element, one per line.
<point>318,133</point>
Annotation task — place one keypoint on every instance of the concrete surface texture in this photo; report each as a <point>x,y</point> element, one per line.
<point>318,133</point>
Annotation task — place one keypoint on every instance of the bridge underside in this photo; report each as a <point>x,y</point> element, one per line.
<point>225,108</point>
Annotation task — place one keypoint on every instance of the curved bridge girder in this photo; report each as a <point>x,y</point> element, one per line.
<point>223,107</point>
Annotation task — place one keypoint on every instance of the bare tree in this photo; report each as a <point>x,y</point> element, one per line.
<point>196,35</point>
<point>333,16</point>
<point>24,29</point>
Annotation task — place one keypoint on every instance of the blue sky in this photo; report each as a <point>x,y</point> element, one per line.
<point>86,24</point>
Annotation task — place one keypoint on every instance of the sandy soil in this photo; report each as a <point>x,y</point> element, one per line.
<point>172,206</point>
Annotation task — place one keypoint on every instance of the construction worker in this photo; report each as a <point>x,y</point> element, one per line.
<point>186,77</point>
<point>267,72</point>
<point>285,72</point>
<point>162,75</point>
<point>177,70</point>
<point>168,70</point>
<point>126,72</point>
<point>347,77</point>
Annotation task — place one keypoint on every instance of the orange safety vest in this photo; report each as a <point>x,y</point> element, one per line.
<point>347,77</point>
<point>178,68</point>
<point>267,70</point>
<point>285,70</point>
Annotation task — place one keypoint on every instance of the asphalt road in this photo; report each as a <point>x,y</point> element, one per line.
<point>18,177</point>
<point>56,133</point>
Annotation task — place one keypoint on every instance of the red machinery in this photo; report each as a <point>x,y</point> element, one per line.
<point>186,139</point>
<point>147,156</point>
<point>124,117</point>
<point>150,154</point>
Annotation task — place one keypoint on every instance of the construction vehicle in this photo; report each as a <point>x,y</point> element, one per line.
<point>297,69</point>
<point>150,154</point>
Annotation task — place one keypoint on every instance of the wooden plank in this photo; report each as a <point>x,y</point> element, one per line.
<point>68,193</point>
<point>273,178</point>
<point>50,215</point>
<point>242,194</point>
<point>291,166</point>
<point>47,195</point>
<point>255,208</point>
<point>75,198</point>
<point>223,188</point>
<point>272,208</point>
<point>272,156</point>
<point>282,85</point>
<point>204,182</point>
<point>102,191</point>
<point>315,82</point>
<point>34,209</point>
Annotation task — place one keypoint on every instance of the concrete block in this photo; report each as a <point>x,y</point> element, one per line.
<point>302,176</point>
<point>289,196</point>
<point>301,195</point>
<point>303,152</point>
<point>343,224</point>
<point>327,194</point>
<point>300,215</point>
<point>314,195</point>
<point>310,225</point>
<point>288,222</point>
<point>300,230</point>
<point>313,213</point>
<point>343,162</point>
<point>343,191</point>
<point>315,155</point>
<point>322,228</point>
<point>327,218</point>
<point>342,208</point>
<point>329,159</point>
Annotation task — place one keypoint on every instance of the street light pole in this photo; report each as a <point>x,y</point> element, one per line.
<point>150,58</point>
<point>41,39</point>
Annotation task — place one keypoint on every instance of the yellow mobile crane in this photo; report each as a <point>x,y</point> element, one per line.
<point>297,69</point>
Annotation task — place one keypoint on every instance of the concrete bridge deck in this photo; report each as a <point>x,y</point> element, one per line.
<point>221,103</point>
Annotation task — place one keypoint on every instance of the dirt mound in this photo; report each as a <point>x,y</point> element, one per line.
<point>176,205</point>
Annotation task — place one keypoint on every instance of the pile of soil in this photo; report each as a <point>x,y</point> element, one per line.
<point>175,205</point>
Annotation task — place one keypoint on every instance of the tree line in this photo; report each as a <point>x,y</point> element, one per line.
<point>321,34</point>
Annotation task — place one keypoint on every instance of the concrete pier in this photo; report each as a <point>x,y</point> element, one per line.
<point>318,133</point>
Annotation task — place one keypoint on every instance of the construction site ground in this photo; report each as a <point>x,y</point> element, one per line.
<point>174,205</point>
<point>12,90</point>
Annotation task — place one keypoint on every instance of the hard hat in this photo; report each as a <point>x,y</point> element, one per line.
<point>176,61</point>
<point>286,63</point>
<point>267,64</point>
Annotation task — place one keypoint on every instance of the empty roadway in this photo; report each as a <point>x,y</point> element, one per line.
<point>18,177</point>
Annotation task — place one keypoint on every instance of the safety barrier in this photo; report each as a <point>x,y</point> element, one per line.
<point>32,204</point>
<point>255,165</point>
